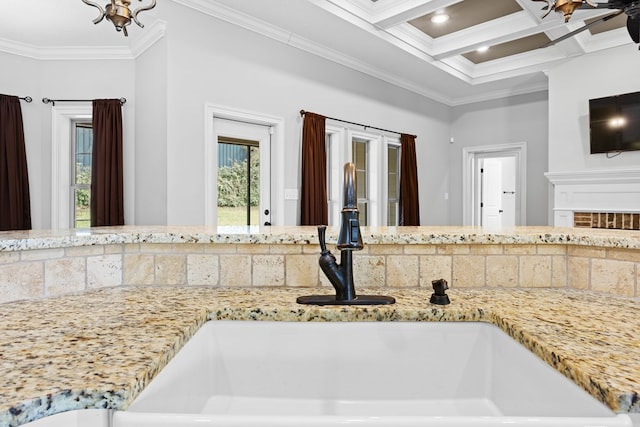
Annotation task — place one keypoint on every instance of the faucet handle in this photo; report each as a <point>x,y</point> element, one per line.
<point>321,238</point>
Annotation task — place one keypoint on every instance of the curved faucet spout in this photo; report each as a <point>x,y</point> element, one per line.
<point>350,201</point>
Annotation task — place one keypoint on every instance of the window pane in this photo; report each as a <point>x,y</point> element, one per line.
<point>393,184</point>
<point>81,148</point>
<point>363,217</point>
<point>392,214</point>
<point>82,211</point>
<point>238,183</point>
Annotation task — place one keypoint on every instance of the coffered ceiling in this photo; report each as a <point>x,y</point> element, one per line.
<point>393,40</point>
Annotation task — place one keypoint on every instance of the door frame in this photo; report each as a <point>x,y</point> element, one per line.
<point>470,156</point>
<point>212,112</point>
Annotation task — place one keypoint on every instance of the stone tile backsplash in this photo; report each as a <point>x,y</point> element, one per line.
<point>33,274</point>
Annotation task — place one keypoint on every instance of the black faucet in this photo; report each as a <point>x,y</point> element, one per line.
<point>349,240</point>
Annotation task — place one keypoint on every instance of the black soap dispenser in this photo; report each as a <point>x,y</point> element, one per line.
<point>439,295</point>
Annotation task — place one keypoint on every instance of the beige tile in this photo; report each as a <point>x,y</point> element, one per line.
<point>502,271</point>
<point>369,271</point>
<point>419,249</point>
<point>104,271</point>
<point>131,248</point>
<point>452,249</point>
<point>302,270</point>
<point>113,249</point>
<point>578,272</point>
<point>468,271</point>
<point>403,271</point>
<point>187,248</point>
<point>434,268</point>
<point>139,269</point>
<point>614,277</point>
<point>19,281</point>
<point>519,249</point>
<point>305,249</point>
<point>586,251</point>
<point>293,249</point>
<point>156,248</point>
<point>268,270</point>
<point>64,275</point>
<point>220,248</point>
<point>535,271</point>
<point>41,254</point>
<point>235,270</point>
<point>624,254</point>
<point>385,249</point>
<point>9,257</point>
<point>559,271</point>
<point>551,249</point>
<point>84,251</point>
<point>171,269</point>
<point>486,249</point>
<point>202,269</point>
<point>253,249</point>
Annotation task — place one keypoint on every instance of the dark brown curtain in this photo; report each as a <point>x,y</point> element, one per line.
<point>313,195</point>
<point>15,204</point>
<point>107,207</point>
<point>409,205</point>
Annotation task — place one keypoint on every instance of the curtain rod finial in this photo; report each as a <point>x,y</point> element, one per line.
<point>302,112</point>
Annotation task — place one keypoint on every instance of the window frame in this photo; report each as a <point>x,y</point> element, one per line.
<point>339,151</point>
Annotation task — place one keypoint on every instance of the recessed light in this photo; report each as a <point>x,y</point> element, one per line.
<point>439,18</point>
<point>482,49</point>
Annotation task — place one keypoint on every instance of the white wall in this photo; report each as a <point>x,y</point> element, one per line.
<point>151,135</point>
<point>65,80</point>
<point>571,85</point>
<point>516,119</point>
<point>225,65</point>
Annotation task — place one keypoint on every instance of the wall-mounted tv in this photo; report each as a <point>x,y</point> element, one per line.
<point>615,123</point>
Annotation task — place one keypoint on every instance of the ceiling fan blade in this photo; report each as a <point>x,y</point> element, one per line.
<point>583,28</point>
<point>633,26</point>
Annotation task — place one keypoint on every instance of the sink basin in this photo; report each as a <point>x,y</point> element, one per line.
<point>240,373</point>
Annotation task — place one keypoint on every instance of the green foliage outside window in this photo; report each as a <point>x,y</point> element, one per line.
<point>232,182</point>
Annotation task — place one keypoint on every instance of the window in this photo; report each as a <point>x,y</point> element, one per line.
<point>80,179</point>
<point>359,158</point>
<point>377,161</point>
<point>393,184</point>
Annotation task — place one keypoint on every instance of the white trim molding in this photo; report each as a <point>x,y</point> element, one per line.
<point>614,190</point>
<point>470,156</point>
<point>212,111</point>
<point>61,118</point>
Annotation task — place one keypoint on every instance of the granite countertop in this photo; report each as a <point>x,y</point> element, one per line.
<point>48,239</point>
<point>100,349</point>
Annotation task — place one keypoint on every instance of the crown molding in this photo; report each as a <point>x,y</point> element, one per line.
<point>155,32</point>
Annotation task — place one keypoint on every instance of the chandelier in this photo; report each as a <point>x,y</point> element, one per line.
<point>566,7</point>
<point>119,13</point>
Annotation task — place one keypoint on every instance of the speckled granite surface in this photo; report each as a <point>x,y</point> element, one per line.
<point>47,239</point>
<point>99,349</point>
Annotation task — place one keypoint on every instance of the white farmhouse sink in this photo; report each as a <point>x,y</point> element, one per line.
<point>244,373</point>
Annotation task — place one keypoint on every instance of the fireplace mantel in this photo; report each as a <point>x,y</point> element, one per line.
<point>598,191</point>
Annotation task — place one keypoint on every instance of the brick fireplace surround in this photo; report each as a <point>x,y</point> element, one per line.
<point>622,221</point>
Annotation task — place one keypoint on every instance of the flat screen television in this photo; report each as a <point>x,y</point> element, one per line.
<point>614,123</point>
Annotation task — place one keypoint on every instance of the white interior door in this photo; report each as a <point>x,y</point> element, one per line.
<point>491,193</point>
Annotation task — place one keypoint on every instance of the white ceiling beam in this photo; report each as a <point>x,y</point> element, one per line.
<point>406,10</point>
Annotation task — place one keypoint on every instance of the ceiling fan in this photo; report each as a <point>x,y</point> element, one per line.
<point>567,7</point>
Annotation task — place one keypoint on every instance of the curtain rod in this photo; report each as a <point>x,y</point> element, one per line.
<point>53,101</point>
<point>302,113</point>
<point>26,98</point>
